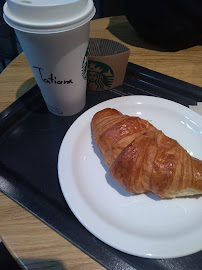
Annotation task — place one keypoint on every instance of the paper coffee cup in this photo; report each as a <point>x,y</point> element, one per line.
<point>54,36</point>
<point>107,62</point>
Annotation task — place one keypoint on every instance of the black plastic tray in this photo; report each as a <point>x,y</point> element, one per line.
<point>30,138</point>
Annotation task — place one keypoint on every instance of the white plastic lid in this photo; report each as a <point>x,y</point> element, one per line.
<point>47,16</point>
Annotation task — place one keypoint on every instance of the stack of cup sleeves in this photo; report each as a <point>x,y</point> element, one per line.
<point>107,62</point>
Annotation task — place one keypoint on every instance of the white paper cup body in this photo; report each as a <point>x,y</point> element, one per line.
<point>54,36</point>
<point>59,63</point>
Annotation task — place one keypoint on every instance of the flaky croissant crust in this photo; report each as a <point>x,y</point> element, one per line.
<point>142,158</point>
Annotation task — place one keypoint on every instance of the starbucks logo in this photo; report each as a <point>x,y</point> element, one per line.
<point>85,65</point>
<point>100,76</point>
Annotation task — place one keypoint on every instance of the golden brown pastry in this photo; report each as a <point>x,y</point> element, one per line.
<point>141,158</point>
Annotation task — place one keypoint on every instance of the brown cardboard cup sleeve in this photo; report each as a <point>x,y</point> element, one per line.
<point>107,62</point>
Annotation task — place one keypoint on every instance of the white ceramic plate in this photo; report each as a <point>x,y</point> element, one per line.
<point>142,225</point>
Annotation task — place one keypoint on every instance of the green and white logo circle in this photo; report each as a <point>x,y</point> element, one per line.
<point>100,76</point>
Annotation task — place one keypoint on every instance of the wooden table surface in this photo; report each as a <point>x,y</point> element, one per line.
<point>31,242</point>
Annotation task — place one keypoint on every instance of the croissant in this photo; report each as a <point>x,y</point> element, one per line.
<point>142,158</point>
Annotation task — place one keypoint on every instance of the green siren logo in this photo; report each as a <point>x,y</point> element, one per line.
<point>85,65</point>
<point>100,76</point>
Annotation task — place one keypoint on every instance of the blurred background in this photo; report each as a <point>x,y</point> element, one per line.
<point>169,25</point>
